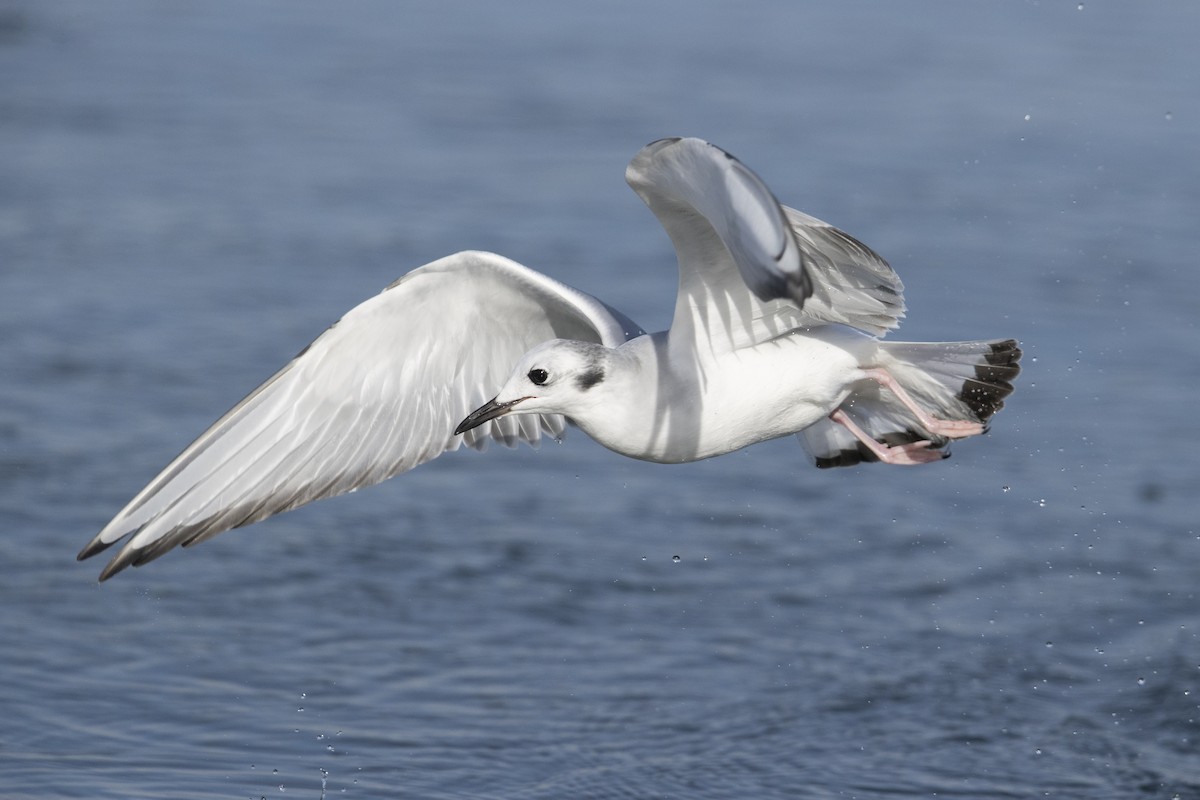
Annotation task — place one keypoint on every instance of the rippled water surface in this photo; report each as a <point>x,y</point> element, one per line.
<point>190,192</point>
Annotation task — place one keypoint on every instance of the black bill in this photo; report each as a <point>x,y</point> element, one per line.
<point>489,410</point>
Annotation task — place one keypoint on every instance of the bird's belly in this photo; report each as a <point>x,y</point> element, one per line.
<point>755,394</point>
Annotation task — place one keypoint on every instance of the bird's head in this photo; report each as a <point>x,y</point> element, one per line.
<point>556,377</point>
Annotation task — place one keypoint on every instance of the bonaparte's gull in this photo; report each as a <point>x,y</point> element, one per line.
<point>775,332</point>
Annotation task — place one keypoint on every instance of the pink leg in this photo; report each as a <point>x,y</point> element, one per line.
<point>904,454</point>
<point>950,428</point>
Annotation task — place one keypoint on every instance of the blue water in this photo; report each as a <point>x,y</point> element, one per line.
<point>190,192</point>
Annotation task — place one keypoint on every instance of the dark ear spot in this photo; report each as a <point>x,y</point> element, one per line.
<point>587,380</point>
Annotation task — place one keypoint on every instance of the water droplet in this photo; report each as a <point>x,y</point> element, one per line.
<point>1042,503</point>
<point>1027,118</point>
<point>676,559</point>
<point>1169,116</point>
<point>1006,488</point>
<point>1079,7</point>
<point>1141,681</point>
<point>1049,644</point>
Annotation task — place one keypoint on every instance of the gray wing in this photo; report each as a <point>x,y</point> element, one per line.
<point>852,284</point>
<point>750,268</point>
<point>375,395</point>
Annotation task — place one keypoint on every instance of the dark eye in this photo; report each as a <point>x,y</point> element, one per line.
<point>538,376</point>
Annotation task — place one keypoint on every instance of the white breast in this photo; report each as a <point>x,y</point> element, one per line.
<point>674,406</point>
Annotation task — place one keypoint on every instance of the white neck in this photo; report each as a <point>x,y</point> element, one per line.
<point>631,416</point>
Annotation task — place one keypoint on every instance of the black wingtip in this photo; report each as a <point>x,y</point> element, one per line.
<point>90,549</point>
<point>800,285</point>
<point>120,561</point>
<point>843,458</point>
<point>666,141</point>
<point>861,454</point>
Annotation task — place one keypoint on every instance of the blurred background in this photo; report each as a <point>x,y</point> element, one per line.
<point>190,192</point>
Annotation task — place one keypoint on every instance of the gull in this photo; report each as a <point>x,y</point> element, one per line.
<point>776,331</point>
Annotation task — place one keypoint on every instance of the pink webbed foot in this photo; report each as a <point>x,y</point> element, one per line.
<point>908,454</point>
<point>950,428</point>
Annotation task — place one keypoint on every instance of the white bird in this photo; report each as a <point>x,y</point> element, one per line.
<point>775,332</point>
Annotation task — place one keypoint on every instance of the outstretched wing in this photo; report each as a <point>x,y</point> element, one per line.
<point>750,268</point>
<point>375,395</point>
